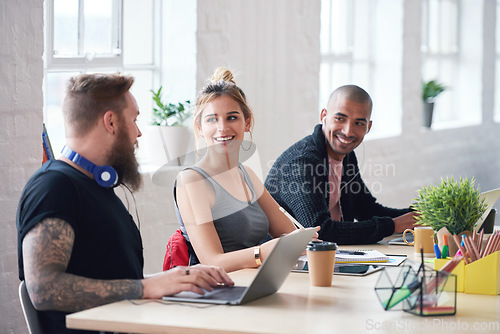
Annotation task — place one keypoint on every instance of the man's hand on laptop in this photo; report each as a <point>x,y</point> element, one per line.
<point>198,278</point>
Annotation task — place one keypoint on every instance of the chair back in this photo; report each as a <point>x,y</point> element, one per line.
<point>30,313</point>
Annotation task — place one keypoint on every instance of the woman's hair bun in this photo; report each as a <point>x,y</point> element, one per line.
<point>222,74</point>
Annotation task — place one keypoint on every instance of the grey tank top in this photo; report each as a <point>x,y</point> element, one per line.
<point>239,224</point>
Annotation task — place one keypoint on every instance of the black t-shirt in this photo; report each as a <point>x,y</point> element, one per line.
<point>107,242</point>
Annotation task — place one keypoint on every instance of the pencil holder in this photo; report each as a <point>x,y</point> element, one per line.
<point>459,271</point>
<point>436,295</point>
<point>392,286</point>
<point>483,276</point>
<point>421,291</point>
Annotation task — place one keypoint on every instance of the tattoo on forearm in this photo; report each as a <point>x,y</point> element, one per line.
<point>46,253</point>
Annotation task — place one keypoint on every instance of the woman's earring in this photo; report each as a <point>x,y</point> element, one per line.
<point>251,141</point>
<point>197,150</point>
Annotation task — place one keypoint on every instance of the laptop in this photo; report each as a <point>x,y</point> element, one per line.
<point>270,276</point>
<point>490,198</point>
<point>400,241</point>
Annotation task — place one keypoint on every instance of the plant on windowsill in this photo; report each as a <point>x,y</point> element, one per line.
<point>450,208</point>
<point>430,90</point>
<point>171,119</point>
<point>169,114</point>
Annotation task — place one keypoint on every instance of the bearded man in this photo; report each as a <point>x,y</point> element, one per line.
<point>78,247</point>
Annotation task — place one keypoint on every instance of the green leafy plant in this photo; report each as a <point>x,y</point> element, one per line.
<point>169,114</point>
<point>454,205</point>
<point>431,89</point>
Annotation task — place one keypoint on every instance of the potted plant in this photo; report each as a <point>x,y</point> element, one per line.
<point>170,119</point>
<point>451,208</point>
<point>430,90</point>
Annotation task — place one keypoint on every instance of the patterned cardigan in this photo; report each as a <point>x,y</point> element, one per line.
<point>298,181</point>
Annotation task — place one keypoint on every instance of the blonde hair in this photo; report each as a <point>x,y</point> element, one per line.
<point>220,84</point>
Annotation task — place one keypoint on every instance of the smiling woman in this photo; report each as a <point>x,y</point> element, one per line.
<point>221,84</point>
<point>224,209</point>
<point>223,127</point>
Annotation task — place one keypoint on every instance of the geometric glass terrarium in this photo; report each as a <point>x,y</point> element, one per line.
<point>417,290</point>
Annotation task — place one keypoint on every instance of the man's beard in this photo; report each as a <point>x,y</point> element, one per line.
<point>122,159</point>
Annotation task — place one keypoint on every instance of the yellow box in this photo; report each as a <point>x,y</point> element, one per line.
<point>483,276</point>
<point>459,271</point>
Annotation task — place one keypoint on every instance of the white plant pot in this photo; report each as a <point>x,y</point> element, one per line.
<point>175,142</point>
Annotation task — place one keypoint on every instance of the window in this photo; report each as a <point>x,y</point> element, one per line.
<point>109,36</point>
<point>451,54</point>
<point>84,32</point>
<point>361,44</point>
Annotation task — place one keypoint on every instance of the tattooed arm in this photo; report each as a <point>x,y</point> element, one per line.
<point>47,249</point>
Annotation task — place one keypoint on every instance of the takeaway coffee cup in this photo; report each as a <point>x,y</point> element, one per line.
<point>320,262</point>
<point>423,237</point>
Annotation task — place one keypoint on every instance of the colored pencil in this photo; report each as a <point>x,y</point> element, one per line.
<point>496,246</point>
<point>480,241</point>
<point>487,247</point>
<point>469,245</point>
<point>459,244</point>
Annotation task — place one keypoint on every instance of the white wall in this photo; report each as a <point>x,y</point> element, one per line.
<point>21,73</point>
<point>273,48</point>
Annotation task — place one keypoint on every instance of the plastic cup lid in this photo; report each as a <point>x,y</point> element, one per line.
<point>315,245</point>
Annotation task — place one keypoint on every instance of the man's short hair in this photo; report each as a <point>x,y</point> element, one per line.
<point>352,93</point>
<point>89,96</point>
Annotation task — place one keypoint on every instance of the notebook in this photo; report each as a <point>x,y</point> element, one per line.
<point>269,278</point>
<point>360,256</point>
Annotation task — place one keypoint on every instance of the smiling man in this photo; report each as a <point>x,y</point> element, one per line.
<point>318,180</point>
